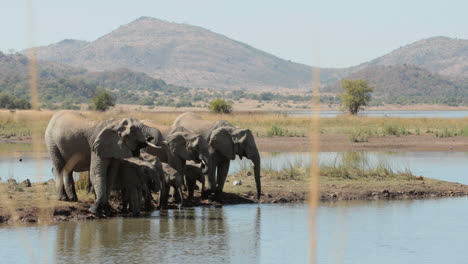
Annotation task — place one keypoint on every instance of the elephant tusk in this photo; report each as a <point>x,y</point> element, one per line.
<point>203,162</point>
<point>152,145</point>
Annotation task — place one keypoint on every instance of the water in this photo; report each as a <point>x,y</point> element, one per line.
<point>420,231</point>
<point>407,114</point>
<point>447,166</point>
<point>415,231</point>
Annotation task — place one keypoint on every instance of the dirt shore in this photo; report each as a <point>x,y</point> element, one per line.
<point>341,142</point>
<point>37,204</point>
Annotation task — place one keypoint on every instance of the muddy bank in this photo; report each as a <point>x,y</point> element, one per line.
<point>33,207</point>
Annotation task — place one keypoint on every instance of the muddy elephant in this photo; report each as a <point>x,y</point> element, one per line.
<point>224,142</point>
<point>181,145</point>
<point>76,144</point>
<point>137,179</point>
<point>193,173</point>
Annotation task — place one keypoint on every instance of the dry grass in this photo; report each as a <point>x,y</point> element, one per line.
<point>19,123</point>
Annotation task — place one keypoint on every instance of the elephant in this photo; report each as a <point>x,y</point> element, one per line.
<point>174,179</point>
<point>193,173</point>
<point>76,144</point>
<point>224,142</point>
<point>137,178</point>
<point>179,146</point>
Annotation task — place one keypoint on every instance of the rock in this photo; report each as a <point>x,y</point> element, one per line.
<point>274,201</point>
<point>51,181</point>
<point>334,196</point>
<point>11,181</point>
<point>420,178</point>
<point>237,183</point>
<point>20,160</point>
<point>249,173</point>
<point>283,200</point>
<point>385,191</point>
<point>26,183</point>
<point>269,195</point>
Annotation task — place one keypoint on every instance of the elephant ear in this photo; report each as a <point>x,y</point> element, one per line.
<point>109,142</point>
<point>179,145</point>
<point>221,140</point>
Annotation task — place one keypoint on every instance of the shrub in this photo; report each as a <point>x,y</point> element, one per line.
<point>103,101</point>
<point>220,106</point>
<point>12,102</point>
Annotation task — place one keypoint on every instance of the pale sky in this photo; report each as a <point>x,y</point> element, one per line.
<point>328,33</point>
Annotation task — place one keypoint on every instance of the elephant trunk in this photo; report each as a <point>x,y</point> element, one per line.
<point>181,196</point>
<point>204,163</point>
<point>256,162</point>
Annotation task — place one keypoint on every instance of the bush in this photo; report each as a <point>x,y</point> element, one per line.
<point>103,101</point>
<point>12,102</point>
<point>220,106</point>
<point>147,101</point>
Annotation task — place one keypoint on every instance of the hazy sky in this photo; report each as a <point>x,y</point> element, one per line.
<point>328,33</point>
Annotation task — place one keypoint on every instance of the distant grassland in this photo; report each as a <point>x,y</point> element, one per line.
<point>21,123</point>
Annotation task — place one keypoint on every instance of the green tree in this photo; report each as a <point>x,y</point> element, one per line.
<point>357,94</point>
<point>220,106</point>
<point>103,101</point>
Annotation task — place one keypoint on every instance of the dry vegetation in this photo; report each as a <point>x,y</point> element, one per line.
<point>20,123</point>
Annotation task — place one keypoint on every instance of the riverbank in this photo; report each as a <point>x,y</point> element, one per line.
<point>331,143</point>
<point>37,204</point>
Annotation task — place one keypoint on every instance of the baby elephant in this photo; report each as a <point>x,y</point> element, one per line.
<point>136,179</point>
<point>174,180</point>
<point>193,173</point>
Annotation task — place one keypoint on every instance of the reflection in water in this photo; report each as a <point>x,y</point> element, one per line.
<point>409,231</point>
<point>175,236</point>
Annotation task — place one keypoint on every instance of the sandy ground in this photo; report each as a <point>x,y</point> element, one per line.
<point>341,142</point>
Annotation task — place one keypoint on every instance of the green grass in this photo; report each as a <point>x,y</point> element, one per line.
<point>347,165</point>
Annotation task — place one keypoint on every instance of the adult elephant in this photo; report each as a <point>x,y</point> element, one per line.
<point>179,146</point>
<point>224,142</point>
<point>77,144</point>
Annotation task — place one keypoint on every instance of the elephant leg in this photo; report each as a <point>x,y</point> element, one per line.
<point>210,180</point>
<point>135,200</point>
<point>190,185</point>
<point>98,174</point>
<point>70,183</point>
<point>58,165</point>
<point>223,169</point>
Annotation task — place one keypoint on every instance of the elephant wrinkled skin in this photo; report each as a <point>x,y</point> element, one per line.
<point>180,145</point>
<point>76,144</point>
<point>224,142</point>
<point>136,179</point>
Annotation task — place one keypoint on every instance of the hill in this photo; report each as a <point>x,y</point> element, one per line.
<point>443,55</point>
<point>58,83</point>
<point>409,84</point>
<point>184,55</point>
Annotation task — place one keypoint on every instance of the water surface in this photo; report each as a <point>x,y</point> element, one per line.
<point>404,114</point>
<point>417,231</point>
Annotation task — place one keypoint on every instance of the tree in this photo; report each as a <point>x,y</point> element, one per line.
<point>220,106</point>
<point>357,94</point>
<point>103,101</point>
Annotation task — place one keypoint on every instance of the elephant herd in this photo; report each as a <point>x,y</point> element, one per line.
<point>137,160</point>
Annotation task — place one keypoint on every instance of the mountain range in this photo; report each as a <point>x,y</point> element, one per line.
<point>195,57</point>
